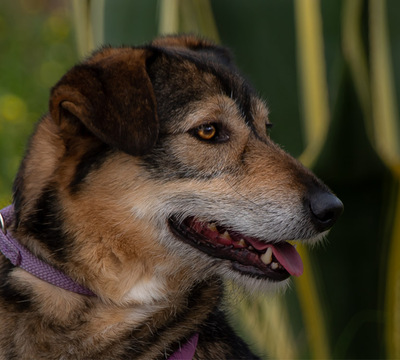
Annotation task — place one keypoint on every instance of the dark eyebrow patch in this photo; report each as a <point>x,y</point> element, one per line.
<point>232,83</point>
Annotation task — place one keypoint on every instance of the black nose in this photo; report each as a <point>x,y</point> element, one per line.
<point>325,209</point>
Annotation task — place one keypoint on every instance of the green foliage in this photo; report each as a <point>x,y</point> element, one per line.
<point>36,39</point>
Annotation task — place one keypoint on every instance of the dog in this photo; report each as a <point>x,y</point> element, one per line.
<point>150,181</point>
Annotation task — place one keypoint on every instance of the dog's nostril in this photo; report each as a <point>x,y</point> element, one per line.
<point>325,208</point>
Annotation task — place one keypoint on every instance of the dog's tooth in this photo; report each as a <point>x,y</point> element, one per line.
<point>274,266</point>
<point>226,235</point>
<point>242,243</point>
<point>251,248</point>
<point>266,258</point>
<point>212,226</point>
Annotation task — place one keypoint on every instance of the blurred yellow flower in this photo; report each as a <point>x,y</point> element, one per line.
<point>12,108</point>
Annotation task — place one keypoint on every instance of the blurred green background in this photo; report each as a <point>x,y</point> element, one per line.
<point>330,73</point>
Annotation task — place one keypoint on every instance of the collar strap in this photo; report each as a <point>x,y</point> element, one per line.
<point>22,257</point>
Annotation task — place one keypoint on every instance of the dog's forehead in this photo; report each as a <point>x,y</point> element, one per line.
<point>231,82</point>
<point>184,76</point>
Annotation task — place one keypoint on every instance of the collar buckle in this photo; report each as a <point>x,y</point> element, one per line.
<point>3,227</point>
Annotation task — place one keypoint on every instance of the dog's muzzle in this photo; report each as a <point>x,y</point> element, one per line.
<point>260,258</point>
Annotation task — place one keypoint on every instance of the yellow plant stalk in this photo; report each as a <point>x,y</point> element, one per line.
<point>356,57</point>
<point>265,323</point>
<point>313,86</point>
<point>376,92</point>
<point>168,17</point>
<point>314,89</point>
<point>384,110</point>
<point>188,16</point>
<point>89,24</point>
<point>387,142</point>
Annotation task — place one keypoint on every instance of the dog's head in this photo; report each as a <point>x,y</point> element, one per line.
<point>154,169</point>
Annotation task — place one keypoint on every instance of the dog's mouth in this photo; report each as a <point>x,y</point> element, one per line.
<point>251,256</point>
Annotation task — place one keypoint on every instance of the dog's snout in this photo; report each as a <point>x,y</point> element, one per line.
<point>325,208</point>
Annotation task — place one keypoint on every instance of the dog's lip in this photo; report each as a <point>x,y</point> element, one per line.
<point>244,252</point>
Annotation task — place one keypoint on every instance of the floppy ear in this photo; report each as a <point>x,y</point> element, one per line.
<point>112,95</point>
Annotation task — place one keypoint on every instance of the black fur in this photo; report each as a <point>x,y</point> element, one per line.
<point>45,223</point>
<point>16,299</point>
<point>91,161</point>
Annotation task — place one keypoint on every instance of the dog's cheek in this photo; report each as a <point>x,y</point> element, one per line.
<point>183,157</point>
<point>87,163</point>
<point>117,247</point>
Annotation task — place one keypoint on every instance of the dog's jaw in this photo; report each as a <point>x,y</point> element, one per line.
<point>255,258</point>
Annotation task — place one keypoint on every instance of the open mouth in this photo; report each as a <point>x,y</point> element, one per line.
<point>251,256</point>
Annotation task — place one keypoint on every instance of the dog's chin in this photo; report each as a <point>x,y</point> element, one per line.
<point>253,263</point>
<point>252,285</point>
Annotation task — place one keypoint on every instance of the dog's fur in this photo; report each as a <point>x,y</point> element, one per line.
<point>118,156</point>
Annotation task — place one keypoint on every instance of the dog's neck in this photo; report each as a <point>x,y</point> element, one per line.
<point>194,301</point>
<point>20,256</point>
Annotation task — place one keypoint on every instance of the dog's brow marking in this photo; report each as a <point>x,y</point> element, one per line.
<point>228,83</point>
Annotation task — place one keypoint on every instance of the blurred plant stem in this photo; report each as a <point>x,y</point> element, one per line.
<point>264,321</point>
<point>384,109</point>
<point>313,85</point>
<point>89,25</point>
<point>314,90</point>
<point>187,16</point>
<point>385,121</point>
<point>376,93</point>
<point>356,57</point>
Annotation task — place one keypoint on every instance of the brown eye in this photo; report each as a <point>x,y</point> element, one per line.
<point>206,131</point>
<point>213,133</point>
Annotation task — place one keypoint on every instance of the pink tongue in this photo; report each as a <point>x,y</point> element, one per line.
<point>285,253</point>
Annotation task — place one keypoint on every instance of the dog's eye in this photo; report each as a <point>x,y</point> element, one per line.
<point>207,131</point>
<point>210,132</point>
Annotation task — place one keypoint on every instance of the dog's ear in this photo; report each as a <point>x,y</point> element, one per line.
<point>112,95</point>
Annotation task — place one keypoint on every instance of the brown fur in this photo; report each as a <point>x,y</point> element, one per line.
<point>113,161</point>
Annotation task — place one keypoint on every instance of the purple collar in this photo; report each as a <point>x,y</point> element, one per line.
<point>186,352</point>
<point>20,256</point>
